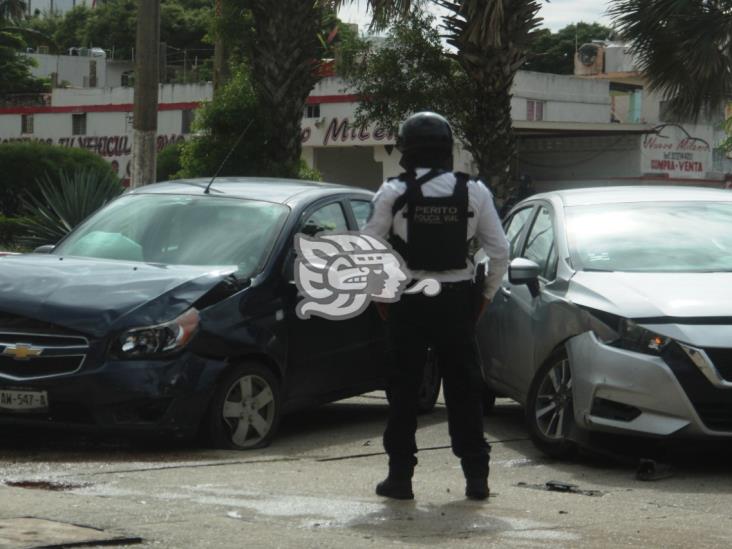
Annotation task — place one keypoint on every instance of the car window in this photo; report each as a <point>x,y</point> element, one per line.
<point>180,230</point>
<point>361,211</point>
<point>540,243</point>
<point>514,228</point>
<point>652,237</point>
<point>327,219</point>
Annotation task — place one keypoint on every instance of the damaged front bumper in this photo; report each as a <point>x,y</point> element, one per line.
<point>624,392</point>
<point>142,396</point>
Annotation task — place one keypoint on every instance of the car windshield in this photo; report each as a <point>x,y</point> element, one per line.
<point>651,237</point>
<point>180,230</point>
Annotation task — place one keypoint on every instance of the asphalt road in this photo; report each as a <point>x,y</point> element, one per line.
<point>314,488</point>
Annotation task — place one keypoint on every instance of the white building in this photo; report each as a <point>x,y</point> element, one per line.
<point>82,71</point>
<point>55,6</point>
<point>598,128</point>
<point>564,125</point>
<point>100,119</point>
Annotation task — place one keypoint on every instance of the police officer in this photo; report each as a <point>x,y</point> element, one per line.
<point>429,214</point>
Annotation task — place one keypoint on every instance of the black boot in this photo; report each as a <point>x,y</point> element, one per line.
<point>477,488</point>
<point>395,488</point>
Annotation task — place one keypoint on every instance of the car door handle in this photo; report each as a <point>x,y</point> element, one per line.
<point>506,292</point>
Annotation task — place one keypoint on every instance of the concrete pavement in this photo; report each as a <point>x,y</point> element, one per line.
<point>314,488</point>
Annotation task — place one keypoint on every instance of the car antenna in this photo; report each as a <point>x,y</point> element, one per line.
<point>231,151</point>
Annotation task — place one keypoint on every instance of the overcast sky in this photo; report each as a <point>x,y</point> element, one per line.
<point>556,14</point>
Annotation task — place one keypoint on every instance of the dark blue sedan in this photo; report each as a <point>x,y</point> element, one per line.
<point>172,310</point>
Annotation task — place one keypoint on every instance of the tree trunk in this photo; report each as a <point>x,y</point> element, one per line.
<point>147,77</point>
<point>284,73</point>
<point>221,72</point>
<point>492,39</point>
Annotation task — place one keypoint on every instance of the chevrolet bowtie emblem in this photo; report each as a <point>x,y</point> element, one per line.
<point>22,351</point>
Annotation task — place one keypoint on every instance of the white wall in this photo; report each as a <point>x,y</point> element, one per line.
<point>109,134</point>
<point>168,93</point>
<point>618,58</point>
<point>59,6</point>
<point>568,98</point>
<point>115,70</point>
<point>71,68</point>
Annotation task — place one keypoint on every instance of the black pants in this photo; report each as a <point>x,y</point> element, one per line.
<point>447,324</point>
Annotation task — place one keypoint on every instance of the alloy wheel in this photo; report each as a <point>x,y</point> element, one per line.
<point>249,410</point>
<point>554,401</point>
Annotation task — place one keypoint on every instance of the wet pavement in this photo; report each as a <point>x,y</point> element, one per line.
<point>314,488</point>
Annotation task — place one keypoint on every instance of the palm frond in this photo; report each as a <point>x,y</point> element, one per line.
<point>12,10</point>
<point>384,12</point>
<point>30,35</point>
<point>683,47</point>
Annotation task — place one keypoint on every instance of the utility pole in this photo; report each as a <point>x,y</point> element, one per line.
<point>147,78</point>
<point>221,67</point>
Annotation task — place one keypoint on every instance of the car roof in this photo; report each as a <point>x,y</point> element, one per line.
<point>619,195</point>
<point>267,189</point>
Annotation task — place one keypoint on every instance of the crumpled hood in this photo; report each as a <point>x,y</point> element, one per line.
<point>652,295</point>
<point>96,297</point>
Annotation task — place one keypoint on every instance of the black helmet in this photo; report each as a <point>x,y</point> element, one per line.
<point>425,130</point>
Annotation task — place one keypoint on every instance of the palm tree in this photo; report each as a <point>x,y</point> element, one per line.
<point>491,38</point>
<point>284,49</point>
<point>683,48</point>
<point>12,10</point>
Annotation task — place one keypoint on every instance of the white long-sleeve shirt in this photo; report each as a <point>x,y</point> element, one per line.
<point>484,224</point>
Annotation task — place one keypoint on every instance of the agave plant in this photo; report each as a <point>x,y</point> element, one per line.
<point>59,206</point>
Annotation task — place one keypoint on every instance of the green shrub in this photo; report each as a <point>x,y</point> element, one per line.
<point>307,173</point>
<point>22,164</point>
<point>62,206</point>
<point>219,125</point>
<point>168,164</point>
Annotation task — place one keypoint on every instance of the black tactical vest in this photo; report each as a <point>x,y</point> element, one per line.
<point>437,227</point>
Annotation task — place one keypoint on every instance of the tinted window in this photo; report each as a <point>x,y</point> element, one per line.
<point>540,243</point>
<point>327,219</point>
<point>514,228</point>
<point>362,211</point>
<point>652,237</point>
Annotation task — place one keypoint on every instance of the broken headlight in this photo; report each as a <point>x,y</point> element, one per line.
<point>633,337</point>
<point>161,339</point>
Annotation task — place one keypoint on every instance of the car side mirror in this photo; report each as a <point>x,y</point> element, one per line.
<point>524,271</point>
<point>45,249</point>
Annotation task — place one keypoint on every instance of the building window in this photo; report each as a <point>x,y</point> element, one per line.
<point>534,110</point>
<point>78,124</point>
<point>312,111</point>
<point>26,123</point>
<point>92,74</point>
<point>186,121</point>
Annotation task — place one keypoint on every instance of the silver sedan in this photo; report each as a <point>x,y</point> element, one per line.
<point>616,315</point>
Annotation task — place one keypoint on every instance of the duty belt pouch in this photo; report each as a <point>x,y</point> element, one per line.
<point>437,227</point>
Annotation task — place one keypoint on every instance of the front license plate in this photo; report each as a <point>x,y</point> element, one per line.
<point>23,401</point>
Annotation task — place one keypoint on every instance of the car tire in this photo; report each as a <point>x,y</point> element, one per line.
<point>245,409</point>
<point>550,409</point>
<point>489,399</point>
<point>429,390</point>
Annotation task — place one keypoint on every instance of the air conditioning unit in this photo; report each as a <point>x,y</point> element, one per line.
<point>589,60</point>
